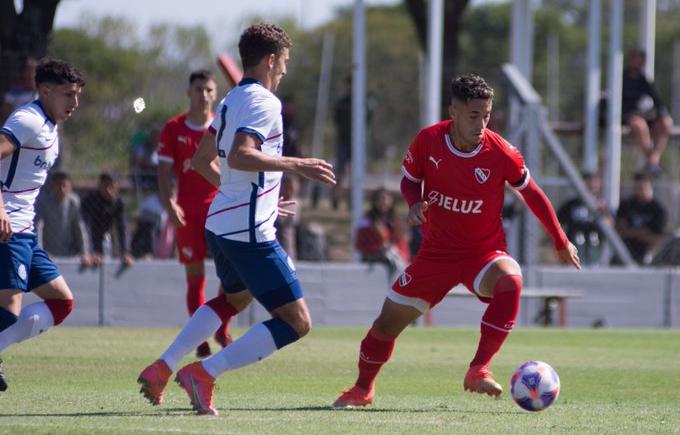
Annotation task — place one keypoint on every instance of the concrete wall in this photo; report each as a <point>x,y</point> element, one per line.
<point>151,293</point>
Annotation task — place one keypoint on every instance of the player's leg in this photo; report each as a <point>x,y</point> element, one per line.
<point>640,131</point>
<point>195,297</point>
<point>269,274</point>
<point>499,282</point>
<point>44,280</point>
<point>200,326</point>
<point>191,250</point>
<point>375,350</point>
<point>10,306</point>
<point>421,286</point>
<point>661,131</point>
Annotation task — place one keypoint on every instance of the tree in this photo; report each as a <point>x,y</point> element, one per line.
<point>453,17</point>
<point>23,34</point>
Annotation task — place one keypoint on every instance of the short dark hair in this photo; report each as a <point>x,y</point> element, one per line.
<point>106,179</point>
<point>201,74</point>
<point>59,176</point>
<point>470,87</point>
<point>260,40</point>
<point>58,72</point>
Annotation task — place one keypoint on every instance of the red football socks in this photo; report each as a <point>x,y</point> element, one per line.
<point>195,292</point>
<point>375,351</point>
<point>499,318</point>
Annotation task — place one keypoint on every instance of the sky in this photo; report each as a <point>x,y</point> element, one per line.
<point>224,18</point>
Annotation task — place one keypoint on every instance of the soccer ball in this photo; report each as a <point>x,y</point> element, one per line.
<point>535,386</point>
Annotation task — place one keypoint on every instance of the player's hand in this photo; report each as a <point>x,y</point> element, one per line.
<point>85,261</point>
<point>176,215</point>
<point>416,215</point>
<point>96,260</point>
<point>5,226</point>
<point>127,260</point>
<point>316,169</point>
<point>569,255</point>
<point>284,212</point>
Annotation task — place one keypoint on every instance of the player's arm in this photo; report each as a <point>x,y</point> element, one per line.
<point>165,191</point>
<point>541,207</point>
<point>205,159</point>
<point>7,147</point>
<point>245,155</point>
<point>413,193</point>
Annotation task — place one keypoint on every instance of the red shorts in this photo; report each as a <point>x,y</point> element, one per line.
<point>426,281</point>
<point>190,239</point>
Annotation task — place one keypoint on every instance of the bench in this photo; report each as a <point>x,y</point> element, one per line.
<point>550,296</point>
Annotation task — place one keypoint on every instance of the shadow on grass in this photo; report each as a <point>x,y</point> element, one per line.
<point>183,412</point>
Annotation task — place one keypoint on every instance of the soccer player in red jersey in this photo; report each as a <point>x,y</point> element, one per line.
<point>178,143</point>
<point>455,174</point>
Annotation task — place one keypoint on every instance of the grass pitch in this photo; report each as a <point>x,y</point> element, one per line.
<point>82,380</point>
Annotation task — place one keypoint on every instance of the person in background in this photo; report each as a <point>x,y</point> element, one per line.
<point>580,224</point>
<point>59,222</point>
<point>644,112</point>
<point>21,92</point>
<point>641,219</point>
<point>102,210</point>
<point>380,235</point>
<point>188,209</point>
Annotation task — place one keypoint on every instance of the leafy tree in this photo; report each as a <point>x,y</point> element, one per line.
<point>23,34</point>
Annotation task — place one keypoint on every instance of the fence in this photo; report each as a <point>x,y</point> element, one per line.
<point>151,293</point>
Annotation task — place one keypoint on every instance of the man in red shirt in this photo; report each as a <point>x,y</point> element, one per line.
<point>455,174</point>
<point>178,142</point>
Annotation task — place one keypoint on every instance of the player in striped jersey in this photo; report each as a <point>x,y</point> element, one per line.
<point>29,146</point>
<point>246,166</point>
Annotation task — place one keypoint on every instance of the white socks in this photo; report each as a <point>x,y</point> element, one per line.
<point>253,346</point>
<point>202,324</point>
<point>34,319</point>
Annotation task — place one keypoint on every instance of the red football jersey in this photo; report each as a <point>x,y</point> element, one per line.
<point>464,190</point>
<point>178,143</point>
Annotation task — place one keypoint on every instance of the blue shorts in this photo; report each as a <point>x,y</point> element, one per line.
<point>24,265</point>
<point>263,268</point>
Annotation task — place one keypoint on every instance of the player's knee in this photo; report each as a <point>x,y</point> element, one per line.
<point>508,284</point>
<point>7,319</point>
<point>239,300</point>
<point>282,332</point>
<point>60,309</point>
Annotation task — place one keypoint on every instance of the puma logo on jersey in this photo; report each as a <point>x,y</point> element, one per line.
<point>182,139</point>
<point>435,161</point>
<point>456,205</point>
<point>482,174</point>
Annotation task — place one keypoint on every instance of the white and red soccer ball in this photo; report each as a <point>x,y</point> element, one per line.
<point>535,386</point>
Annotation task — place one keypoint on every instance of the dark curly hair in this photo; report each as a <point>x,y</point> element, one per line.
<point>470,87</point>
<point>260,40</point>
<point>58,72</point>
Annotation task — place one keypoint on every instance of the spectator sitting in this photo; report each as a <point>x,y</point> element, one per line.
<point>102,209</point>
<point>380,237</point>
<point>644,112</point>
<point>286,225</point>
<point>641,219</point>
<point>153,235</point>
<point>58,222</point>
<point>22,91</point>
<point>580,223</point>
